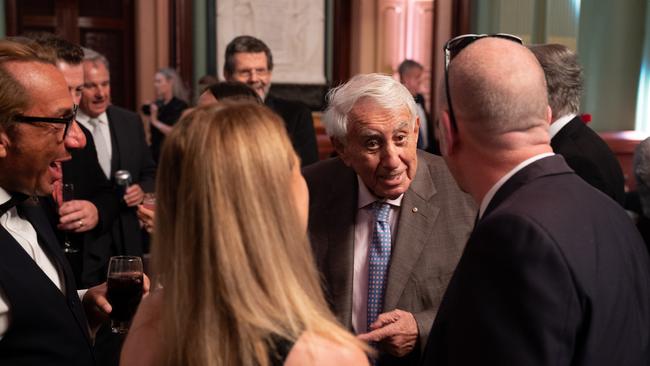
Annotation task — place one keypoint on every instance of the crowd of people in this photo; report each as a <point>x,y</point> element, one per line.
<point>511,247</point>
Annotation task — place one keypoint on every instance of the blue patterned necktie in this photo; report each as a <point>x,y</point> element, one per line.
<point>379,253</point>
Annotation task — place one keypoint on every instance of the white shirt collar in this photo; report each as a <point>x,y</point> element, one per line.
<point>366,197</point>
<point>490,194</point>
<point>559,123</point>
<point>4,196</point>
<point>84,119</point>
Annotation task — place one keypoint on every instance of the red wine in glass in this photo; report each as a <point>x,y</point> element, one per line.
<point>124,290</point>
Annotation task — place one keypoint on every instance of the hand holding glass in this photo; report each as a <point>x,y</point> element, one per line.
<point>149,201</point>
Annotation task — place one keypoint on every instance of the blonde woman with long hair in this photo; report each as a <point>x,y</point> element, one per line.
<point>231,251</point>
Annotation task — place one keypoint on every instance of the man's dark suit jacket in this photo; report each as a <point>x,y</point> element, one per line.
<point>590,157</point>
<point>118,232</point>
<point>555,273</point>
<point>434,223</point>
<point>47,326</point>
<point>300,126</point>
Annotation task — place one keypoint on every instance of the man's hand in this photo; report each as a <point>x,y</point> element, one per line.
<point>97,306</point>
<point>134,195</point>
<point>78,216</point>
<point>395,331</point>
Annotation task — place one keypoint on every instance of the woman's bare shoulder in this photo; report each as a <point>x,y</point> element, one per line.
<point>312,349</point>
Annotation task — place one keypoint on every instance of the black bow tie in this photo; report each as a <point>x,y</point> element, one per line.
<point>16,198</point>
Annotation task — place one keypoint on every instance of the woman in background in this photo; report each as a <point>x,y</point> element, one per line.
<point>231,251</point>
<point>171,100</point>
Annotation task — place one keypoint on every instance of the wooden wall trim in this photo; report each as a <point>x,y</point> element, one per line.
<point>461,17</point>
<point>342,33</point>
<point>181,38</point>
<point>11,17</point>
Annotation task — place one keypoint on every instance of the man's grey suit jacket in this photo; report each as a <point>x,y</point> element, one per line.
<point>434,223</point>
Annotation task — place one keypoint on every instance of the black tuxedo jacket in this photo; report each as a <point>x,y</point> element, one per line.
<point>47,326</point>
<point>300,126</point>
<point>118,232</point>
<point>590,157</point>
<point>555,273</point>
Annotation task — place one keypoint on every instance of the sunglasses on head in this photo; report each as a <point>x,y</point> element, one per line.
<point>453,47</point>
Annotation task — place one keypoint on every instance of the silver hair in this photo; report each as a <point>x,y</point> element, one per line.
<point>95,57</point>
<point>178,89</point>
<point>563,77</point>
<point>383,90</point>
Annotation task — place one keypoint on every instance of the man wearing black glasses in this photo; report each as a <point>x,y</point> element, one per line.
<point>41,316</point>
<point>554,272</point>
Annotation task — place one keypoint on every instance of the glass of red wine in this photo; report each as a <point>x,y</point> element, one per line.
<point>124,290</point>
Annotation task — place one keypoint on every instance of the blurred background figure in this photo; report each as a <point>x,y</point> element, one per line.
<point>228,90</point>
<point>410,75</point>
<point>249,60</point>
<point>642,175</point>
<point>582,148</point>
<point>240,284</point>
<point>207,80</point>
<point>171,100</point>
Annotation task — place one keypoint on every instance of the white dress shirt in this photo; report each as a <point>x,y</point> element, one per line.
<point>363,230</point>
<point>24,233</point>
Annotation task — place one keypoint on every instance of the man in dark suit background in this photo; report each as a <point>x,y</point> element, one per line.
<point>584,151</point>
<point>410,75</point>
<point>554,271</point>
<point>115,142</point>
<point>373,125</point>
<point>249,61</point>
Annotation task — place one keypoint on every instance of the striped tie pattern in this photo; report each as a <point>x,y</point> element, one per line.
<point>378,263</point>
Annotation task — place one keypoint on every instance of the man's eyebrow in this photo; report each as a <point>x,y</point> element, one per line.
<point>366,132</point>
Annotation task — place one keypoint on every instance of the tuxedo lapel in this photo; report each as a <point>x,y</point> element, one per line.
<point>34,213</point>
<point>414,229</point>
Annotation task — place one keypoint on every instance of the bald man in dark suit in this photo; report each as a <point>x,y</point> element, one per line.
<point>554,272</point>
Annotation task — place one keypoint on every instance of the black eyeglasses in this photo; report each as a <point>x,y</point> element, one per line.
<point>453,48</point>
<point>67,120</point>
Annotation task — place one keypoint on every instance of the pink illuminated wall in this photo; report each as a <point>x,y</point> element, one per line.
<point>405,30</point>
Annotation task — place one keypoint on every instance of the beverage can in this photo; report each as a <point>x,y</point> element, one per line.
<point>122,180</point>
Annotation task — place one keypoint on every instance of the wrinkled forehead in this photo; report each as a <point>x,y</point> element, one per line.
<point>369,111</point>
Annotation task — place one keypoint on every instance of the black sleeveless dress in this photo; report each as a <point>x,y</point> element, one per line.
<point>281,351</point>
